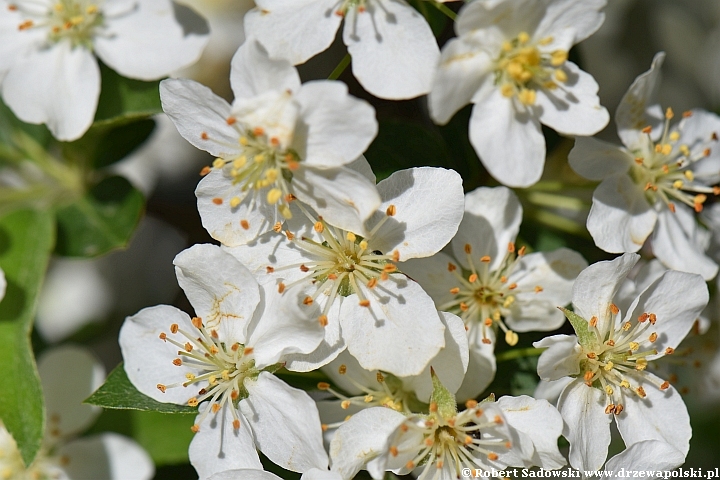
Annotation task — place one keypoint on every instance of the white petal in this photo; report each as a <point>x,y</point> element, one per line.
<point>221,290</point>
<point>58,86</point>
<point>393,48</point>
<point>596,159</point>
<point>295,30</point>
<point>661,415</point>
<point>338,127</point>
<point>696,131</point>
<point>541,422</point>
<point>342,196</point>
<point>383,335</point>
<point>582,18</point>
<point>650,455</point>
<point>433,275</point>
<point>195,109</point>
<point>509,142</point>
<point>637,108</point>
<point>573,108</point>
<point>450,364</point>
<point>587,426</point>
<point>252,72</point>
<point>551,390</point>
<point>362,439</point>
<point>620,218</point>
<point>284,325</point>
<point>353,374</point>
<point>675,242</point>
<point>218,446</point>
<point>285,422</point>
<point>561,359</point>
<point>3,284</point>
<point>480,371</point>
<point>244,474</point>
<point>555,272</point>
<point>429,206</point>
<point>109,456</point>
<point>491,222</point>
<point>157,38</point>
<point>148,359</point>
<point>597,285</point>
<point>462,71</point>
<point>317,474</point>
<point>69,374</point>
<point>331,346</point>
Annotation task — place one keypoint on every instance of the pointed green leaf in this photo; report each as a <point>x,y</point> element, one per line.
<point>119,392</point>
<point>441,396</point>
<point>26,240</point>
<point>580,325</point>
<point>123,100</point>
<point>165,437</point>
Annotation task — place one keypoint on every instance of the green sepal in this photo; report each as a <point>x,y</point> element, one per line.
<point>441,396</point>
<point>580,325</point>
<point>26,240</point>
<point>119,393</point>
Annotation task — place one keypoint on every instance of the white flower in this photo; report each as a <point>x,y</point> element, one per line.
<point>222,360</point>
<point>510,62</point>
<point>646,456</point>
<point>607,360</point>
<point>48,73</point>
<point>489,284</point>
<point>393,49</point>
<point>365,302</point>
<point>69,375</point>
<point>245,474</point>
<point>653,183</point>
<point>278,141</point>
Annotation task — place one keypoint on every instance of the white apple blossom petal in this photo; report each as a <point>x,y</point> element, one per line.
<point>394,50</point>
<point>574,107</point>
<point>109,456</point>
<point>508,141</point>
<point>268,249</point>
<point>148,359</point>
<point>676,243</point>
<point>59,86</point>
<point>69,374</point>
<point>295,30</point>
<point>597,159</point>
<point>661,415</point>
<point>429,207</point>
<point>586,425</point>
<point>285,423</point>
<point>491,222</point>
<point>342,196</point>
<point>331,346</point>
<point>218,446</point>
<point>195,109</point>
<point>339,127</point>
<point>433,275</point>
<point>244,474</point>
<point>221,290</point>
<point>541,422</point>
<point>581,18</point>
<point>381,335</point>
<point>480,371</point>
<point>3,284</point>
<point>551,390</point>
<point>620,218</point>
<point>159,37</point>
<point>253,73</point>
<point>560,359</point>
<point>646,456</point>
<point>353,375</point>
<point>317,474</point>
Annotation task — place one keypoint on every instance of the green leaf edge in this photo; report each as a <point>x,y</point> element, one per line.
<point>580,325</point>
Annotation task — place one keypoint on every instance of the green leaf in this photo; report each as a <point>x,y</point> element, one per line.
<point>165,437</point>
<point>435,18</point>
<point>26,240</point>
<point>119,392</point>
<point>123,100</point>
<point>441,396</point>
<point>100,221</point>
<point>580,325</point>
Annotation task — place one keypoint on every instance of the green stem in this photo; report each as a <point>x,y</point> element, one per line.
<point>444,9</point>
<point>340,68</point>
<point>518,353</point>
<point>559,222</point>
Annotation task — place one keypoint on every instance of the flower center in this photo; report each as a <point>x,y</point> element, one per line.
<point>663,168</point>
<point>483,297</point>
<point>75,20</point>
<point>220,368</point>
<point>452,444</point>
<point>616,361</point>
<point>346,5</point>
<point>523,67</point>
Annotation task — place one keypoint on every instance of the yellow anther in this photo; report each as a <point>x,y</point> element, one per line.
<point>285,211</point>
<point>243,141</point>
<point>546,41</point>
<point>678,184</point>
<point>218,163</point>
<point>608,389</point>
<point>234,202</point>
<point>558,57</point>
<point>368,398</point>
<point>239,162</point>
<point>674,136</point>
<point>509,301</point>
<point>523,37</point>
<point>58,7</point>
<point>625,384</point>
<point>507,90</point>
<point>608,366</point>
<point>689,175</point>
<point>364,244</point>
<point>684,150</point>
<point>560,75</point>
<point>350,236</point>
<point>527,96</point>
<point>259,158</point>
<point>274,195</point>
<point>511,338</point>
<point>506,46</point>
<point>271,174</point>
<point>669,113</point>
<point>666,149</point>
<point>77,20</point>
<point>634,346</point>
<point>91,9</point>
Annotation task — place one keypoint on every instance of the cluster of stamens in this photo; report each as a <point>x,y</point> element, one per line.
<point>451,444</point>
<point>340,263</point>
<point>345,5</point>
<point>264,167</point>
<point>75,20</point>
<point>663,168</point>
<point>616,361</point>
<point>221,368</point>
<point>483,297</point>
<point>522,68</point>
